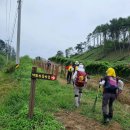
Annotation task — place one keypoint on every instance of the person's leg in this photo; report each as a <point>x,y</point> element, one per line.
<point>80,95</point>
<point>76,93</point>
<point>105,106</point>
<point>68,77</point>
<point>112,99</point>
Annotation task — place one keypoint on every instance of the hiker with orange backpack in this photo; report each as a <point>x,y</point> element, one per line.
<point>112,86</point>
<point>69,73</point>
<point>80,81</point>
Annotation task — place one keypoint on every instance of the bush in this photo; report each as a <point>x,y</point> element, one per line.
<point>9,68</point>
<point>97,67</point>
<point>2,61</point>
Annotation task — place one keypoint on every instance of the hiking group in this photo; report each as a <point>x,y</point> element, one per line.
<point>111,85</point>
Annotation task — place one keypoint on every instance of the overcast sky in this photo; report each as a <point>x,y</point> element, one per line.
<point>51,25</point>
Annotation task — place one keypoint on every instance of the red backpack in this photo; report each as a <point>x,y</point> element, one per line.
<point>80,79</point>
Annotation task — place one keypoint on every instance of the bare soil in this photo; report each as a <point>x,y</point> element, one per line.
<point>75,121</point>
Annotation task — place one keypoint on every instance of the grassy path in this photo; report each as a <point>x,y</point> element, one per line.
<point>79,120</point>
<point>54,105</point>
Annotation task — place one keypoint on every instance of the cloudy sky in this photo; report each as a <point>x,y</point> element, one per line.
<point>51,25</point>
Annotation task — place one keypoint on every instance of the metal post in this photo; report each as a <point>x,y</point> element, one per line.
<point>18,33</point>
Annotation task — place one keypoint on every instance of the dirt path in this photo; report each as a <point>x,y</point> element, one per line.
<point>75,121</point>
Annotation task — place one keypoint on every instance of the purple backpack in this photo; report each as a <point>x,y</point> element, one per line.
<point>111,83</point>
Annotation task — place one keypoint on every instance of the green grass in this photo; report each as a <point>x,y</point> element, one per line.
<point>14,107</point>
<point>50,97</point>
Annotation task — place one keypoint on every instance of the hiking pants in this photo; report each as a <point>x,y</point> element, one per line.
<point>69,76</point>
<point>107,103</point>
<point>78,94</point>
<point>77,90</point>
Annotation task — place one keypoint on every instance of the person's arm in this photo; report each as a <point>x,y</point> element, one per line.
<point>120,85</point>
<point>102,82</point>
<point>74,75</point>
<point>86,79</point>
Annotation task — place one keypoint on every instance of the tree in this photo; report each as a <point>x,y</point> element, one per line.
<point>80,47</point>
<point>7,49</point>
<point>60,53</point>
<point>2,46</point>
<point>68,52</point>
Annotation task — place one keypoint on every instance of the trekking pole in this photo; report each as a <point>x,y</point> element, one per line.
<point>94,105</point>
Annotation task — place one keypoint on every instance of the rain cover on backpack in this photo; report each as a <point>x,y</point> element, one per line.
<point>111,83</point>
<point>80,79</point>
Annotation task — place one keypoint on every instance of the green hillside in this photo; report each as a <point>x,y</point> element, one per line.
<point>97,54</point>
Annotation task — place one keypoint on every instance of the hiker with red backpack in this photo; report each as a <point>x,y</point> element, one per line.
<point>112,86</point>
<point>80,81</point>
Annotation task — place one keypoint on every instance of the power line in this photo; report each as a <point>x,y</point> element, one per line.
<point>6,18</point>
<point>9,18</point>
<point>14,24</point>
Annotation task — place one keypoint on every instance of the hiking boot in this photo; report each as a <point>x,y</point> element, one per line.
<point>105,119</point>
<point>110,116</point>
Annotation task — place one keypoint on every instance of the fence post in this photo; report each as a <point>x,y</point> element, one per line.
<point>32,94</point>
<point>56,71</point>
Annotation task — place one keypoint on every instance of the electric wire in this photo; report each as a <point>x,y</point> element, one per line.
<point>6,18</point>
<point>14,25</point>
<point>9,18</point>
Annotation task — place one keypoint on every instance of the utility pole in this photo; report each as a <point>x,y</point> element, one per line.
<point>18,33</point>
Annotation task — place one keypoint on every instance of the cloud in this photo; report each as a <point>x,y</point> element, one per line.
<point>51,25</point>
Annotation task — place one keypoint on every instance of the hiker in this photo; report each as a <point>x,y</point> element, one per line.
<point>48,66</point>
<point>69,73</point>
<point>112,86</point>
<point>80,81</point>
<point>75,66</point>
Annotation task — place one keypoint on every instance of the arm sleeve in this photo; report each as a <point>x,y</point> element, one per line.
<point>120,84</point>
<point>102,82</point>
<point>86,79</point>
<point>74,76</point>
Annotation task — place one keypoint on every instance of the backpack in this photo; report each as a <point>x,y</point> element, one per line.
<point>80,79</point>
<point>111,83</point>
<point>75,68</point>
<point>70,68</point>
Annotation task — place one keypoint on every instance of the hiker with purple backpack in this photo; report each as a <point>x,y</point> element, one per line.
<point>112,86</point>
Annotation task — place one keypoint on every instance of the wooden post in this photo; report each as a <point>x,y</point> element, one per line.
<point>32,94</point>
<point>52,69</point>
<point>56,71</point>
